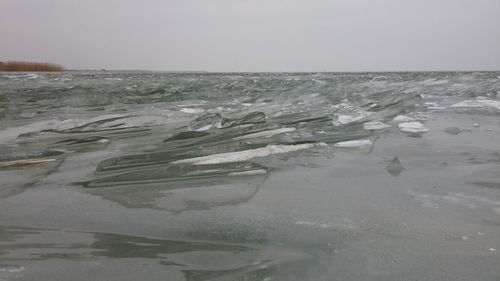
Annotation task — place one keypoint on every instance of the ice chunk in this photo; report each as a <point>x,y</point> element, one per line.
<point>395,168</point>
<point>402,118</point>
<point>238,156</point>
<point>478,103</point>
<point>452,130</point>
<point>413,127</point>
<point>192,110</point>
<point>354,144</point>
<point>375,125</point>
<point>346,119</point>
<point>342,119</point>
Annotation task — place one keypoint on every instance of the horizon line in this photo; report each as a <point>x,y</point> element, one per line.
<point>293,71</point>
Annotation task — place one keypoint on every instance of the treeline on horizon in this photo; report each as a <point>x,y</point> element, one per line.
<point>29,66</point>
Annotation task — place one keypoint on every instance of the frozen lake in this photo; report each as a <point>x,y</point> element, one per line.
<point>272,176</point>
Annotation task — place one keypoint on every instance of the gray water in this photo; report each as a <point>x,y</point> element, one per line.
<point>272,176</point>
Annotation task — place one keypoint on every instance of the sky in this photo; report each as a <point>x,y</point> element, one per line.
<point>254,35</point>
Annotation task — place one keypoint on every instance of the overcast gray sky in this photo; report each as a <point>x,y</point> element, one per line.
<point>254,35</point>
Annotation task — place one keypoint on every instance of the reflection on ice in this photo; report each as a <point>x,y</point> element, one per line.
<point>100,254</point>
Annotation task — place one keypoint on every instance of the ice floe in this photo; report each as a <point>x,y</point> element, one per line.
<point>375,125</point>
<point>403,118</point>
<point>413,127</point>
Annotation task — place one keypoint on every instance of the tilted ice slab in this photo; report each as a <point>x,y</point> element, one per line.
<point>248,173</point>
<point>244,155</point>
<point>346,119</point>
<point>413,127</point>
<point>266,134</point>
<point>478,103</point>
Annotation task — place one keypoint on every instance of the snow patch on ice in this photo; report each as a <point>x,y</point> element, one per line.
<point>230,157</point>
<point>354,144</point>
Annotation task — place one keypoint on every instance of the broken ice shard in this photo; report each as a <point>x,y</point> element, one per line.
<point>395,168</point>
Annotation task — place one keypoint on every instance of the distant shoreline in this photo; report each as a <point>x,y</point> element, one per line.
<point>22,66</point>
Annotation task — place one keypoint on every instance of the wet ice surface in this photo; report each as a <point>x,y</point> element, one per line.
<point>158,176</point>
